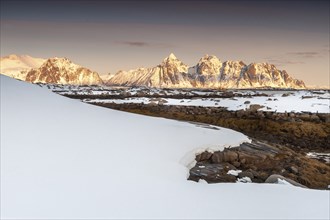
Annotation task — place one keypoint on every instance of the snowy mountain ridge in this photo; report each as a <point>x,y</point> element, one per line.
<point>53,70</point>
<point>209,72</point>
<point>63,71</point>
<point>17,66</point>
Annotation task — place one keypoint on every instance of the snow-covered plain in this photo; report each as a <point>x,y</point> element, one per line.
<point>273,100</point>
<point>295,102</point>
<point>63,159</point>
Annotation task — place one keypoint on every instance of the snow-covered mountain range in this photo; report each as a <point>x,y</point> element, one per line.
<point>209,72</point>
<point>17,66</point>
<point>63,71</point>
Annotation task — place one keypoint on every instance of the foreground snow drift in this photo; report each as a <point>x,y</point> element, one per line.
<point>61,158</point>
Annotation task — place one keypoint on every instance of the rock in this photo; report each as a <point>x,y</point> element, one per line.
<point>240,113</point>
<point>304,182</point>
<point>127,94</point>
<point>327,119</point>
<point>305,117</point>
<point>243,161</point>
<point>274,179</point>
<point>263,176</point>
<point>224,178</point>
<point>247,102</point>
<point>206,170</point>
<point>162,101</point>
<point>228,166</point>
<point>152,103</point>
<point>211,173</point>
<point>307,97</point>
<point>255,107</point>
<point>230,156</point>
<point>203,156</point>
<point>246,174</point>
<point>260,114</point>
<point>315,118</point>
<point>293,169</point>
<point>217,157</point>
<point>255,173</point>
<point>245,158</point>
<point>236,164</point>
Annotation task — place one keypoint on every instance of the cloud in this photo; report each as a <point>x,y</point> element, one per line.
<point>144,44</point>
<point>282,61</point>
<point>305,54</point>
<point>134,43</point>
<point>291,58</point>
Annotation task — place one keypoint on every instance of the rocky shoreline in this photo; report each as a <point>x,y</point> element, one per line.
<point>300,131</point>
<point>259,162</point>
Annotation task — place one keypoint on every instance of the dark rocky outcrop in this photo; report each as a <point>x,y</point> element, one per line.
<point>262,163</point>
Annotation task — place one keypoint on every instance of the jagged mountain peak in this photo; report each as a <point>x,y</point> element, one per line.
<point>61,70</point>
<point>209,65</point>
<point>209,72</point>
<point>261,68</point>
<point>263,65</point>
<point>61,64</point>
<point>234,62</point>
<point>59,60</point>
<point>209,57</point>
<point>173,65</point>
<point>171,57</point>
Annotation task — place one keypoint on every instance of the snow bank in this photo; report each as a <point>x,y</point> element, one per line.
<point>63,159</point>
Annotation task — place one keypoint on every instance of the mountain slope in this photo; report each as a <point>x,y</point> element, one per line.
<point>63,159</point>
<point>17,66</point>
<point>210,72</point>
<point>63,71</point>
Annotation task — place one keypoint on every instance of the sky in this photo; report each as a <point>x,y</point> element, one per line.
<point>108,36</point>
